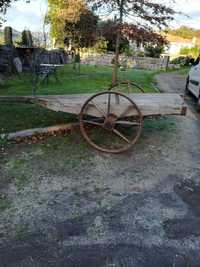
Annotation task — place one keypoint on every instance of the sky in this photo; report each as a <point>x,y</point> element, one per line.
<point>22,15</point>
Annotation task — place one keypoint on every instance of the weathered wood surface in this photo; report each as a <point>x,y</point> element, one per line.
<point>149,104</point>
<point>37,131</point>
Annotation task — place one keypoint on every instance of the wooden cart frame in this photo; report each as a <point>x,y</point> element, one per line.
<point>118,115</point>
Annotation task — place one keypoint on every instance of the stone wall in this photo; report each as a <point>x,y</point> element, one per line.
<point>27,57</point>
<point>24,57</point>
<point>6,56</point>
<point>130,62</point>
<point>55,56</point>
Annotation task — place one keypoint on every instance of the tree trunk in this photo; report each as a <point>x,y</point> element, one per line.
<point>118,41</point>
<point>116,61</point>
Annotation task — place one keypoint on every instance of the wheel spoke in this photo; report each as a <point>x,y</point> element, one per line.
<point>125,112</point>
<point>93,122</point>
<point>122,136</point>
<point>99,109</point>
<point>128,123</point>
<point>101,112</point>
<point>109,100</point>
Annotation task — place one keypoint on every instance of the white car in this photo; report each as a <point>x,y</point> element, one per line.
<point>193,81</point>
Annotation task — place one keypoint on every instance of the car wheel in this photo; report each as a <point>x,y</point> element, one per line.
<point>187,92</point>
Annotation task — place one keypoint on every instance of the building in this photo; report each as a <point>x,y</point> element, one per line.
<point>176,43</point>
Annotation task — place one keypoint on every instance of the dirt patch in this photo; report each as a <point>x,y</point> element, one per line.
<point>189,191</point>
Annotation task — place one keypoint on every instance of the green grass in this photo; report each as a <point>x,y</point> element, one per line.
<point>4,204</point>
<point>184,71</point>
<point>181,71</point>
<point>92,79</point>
<point>16,117</point>
<point>162,124</point>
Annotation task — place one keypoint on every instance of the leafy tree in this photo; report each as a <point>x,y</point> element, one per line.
<point>4,4</point>
<point>108,30</point>
<point>82,31</point>
<point>142,35</point>
<point>146,14</point>
<point>72,22</point>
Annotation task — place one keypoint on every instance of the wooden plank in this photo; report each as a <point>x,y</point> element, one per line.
<point>38,131</point>
<point>149,104</point>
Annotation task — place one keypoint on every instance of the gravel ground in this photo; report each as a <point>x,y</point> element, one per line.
<point>63,204</point>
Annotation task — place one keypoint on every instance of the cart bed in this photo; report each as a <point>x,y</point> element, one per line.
<point>149,104</point>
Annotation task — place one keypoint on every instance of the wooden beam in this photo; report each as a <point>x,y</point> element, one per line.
<point>38,131</point>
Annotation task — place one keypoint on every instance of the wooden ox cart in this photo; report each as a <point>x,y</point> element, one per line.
<point>112,121</point>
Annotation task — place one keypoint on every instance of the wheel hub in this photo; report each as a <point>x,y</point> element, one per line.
<point>109,122</point>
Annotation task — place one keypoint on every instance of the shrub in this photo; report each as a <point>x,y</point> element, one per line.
<point>153,51</point>
<point>183,61</point>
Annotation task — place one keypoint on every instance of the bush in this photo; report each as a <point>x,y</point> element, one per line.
<point>192,52</point>
<point>128,51</point>
<point>153,51</point>
<point>183,61</point>
<point>140,54</point>
<point>101,46</point>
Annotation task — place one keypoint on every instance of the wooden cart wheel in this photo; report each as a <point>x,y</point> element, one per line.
<point>111,122</point>
<point>126,87</point>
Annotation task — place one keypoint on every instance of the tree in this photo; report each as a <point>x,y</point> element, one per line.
<point>142,35</point>
<point>81,31</point>
<point>72,21</point>
<point>4,4</point>
<point>146,14</point>
<point>108,30</point>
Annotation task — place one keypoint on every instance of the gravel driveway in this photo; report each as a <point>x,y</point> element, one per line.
<point>66,205</point>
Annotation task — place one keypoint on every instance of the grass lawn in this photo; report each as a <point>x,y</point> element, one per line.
<point>15,117</point>
<point>92,79</point>
<point>184,71</point>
